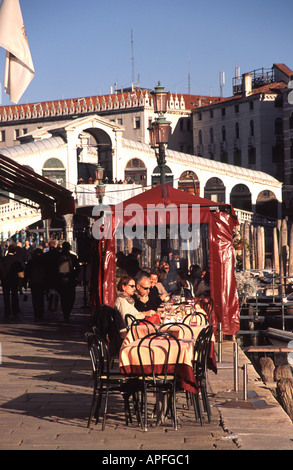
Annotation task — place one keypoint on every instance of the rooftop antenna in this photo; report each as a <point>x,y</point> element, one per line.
<point>132,59</point>
<point>222,83</point>
<point>189,75</point>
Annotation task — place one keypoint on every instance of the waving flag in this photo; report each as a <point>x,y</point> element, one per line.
<point>19,68</point>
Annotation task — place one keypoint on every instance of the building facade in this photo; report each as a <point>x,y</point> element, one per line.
<point>248,128</point>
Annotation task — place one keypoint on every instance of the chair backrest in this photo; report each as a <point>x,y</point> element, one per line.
<point>207,304</point>
<point>186,329</point>
<point>99,354</point>
<point>151,328</point>
<point>197,317</point>
<point>108,323</point>
<point>202,350</point>
<point>165,372</point>
<point>128,319</point>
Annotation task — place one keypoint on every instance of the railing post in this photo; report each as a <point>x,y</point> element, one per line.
<point>235,366</point>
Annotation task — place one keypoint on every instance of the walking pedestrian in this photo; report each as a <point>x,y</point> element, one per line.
<point>68,269</point>
<point>11,270</point>
<point>35,275</point>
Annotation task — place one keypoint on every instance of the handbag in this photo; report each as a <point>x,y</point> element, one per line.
<point>53,300</point>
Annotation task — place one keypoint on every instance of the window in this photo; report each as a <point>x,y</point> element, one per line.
<point>137,122</point>
<point>251,128</point>
<point>211,135</point>
<point>199,116</point>
<point>223,134</point>
<point>237,130</point>
<point>236,108</point>
<point>24,131</point>
<point>2,136</point>
<point>199,137</point>
<point>251,105</point>
<point>211,113</point>
<point>16,133</point>
<point>223,111</point>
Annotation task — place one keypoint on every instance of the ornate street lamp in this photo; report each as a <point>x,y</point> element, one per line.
<point>100,188</point>
<point>159,129</point>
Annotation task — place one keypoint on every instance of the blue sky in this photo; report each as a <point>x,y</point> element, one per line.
<point>82,48</point>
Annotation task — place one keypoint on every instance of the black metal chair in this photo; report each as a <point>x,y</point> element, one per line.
<point>162,382</point>
<point>186,329</point>
<point>128,319</point>
<point>201,354</point>
<point>106,381</point>
<point>151,327</point>
<point>199,318</point>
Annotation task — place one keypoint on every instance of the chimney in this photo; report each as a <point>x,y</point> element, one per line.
<point>246,84</point>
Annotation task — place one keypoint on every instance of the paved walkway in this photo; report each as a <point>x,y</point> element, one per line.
<point>46,387</point>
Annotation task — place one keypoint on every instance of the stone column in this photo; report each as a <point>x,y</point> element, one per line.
<point>69,229</point>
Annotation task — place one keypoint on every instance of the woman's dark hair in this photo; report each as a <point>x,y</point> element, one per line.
<point>123,281</point>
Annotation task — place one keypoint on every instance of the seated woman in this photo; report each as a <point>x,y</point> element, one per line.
<point>124,302</point>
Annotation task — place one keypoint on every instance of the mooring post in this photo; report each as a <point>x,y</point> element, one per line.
<point>235,366</point>
<point>220,340</point>
<point>245,382</point>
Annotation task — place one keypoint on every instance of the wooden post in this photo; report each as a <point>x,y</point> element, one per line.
<point>246,250</point>
<point>276,259</point>
<point>285,395</point>
<point>290,266</point>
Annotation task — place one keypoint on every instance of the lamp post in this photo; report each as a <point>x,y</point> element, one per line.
<point>100,188</point>
<point>159,129</point>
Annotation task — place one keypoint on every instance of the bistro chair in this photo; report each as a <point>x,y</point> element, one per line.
<point>107,323</point>
<point>207,304</point>
<point>186,329</point>
<point>106,381</point>
<point>198,318</point>
<point>134,327</point>
<point>201,354</point>
<point>159,379</point>
<point>128,319</point>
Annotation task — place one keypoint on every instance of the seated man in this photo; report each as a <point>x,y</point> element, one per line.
<point>142,300</point>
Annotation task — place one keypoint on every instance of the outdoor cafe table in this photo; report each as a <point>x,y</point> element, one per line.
<point>142,330</point>
<point>129,362</point>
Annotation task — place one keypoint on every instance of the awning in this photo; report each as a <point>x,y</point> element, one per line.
<point>53,199</point>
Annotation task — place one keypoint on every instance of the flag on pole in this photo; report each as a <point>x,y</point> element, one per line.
<point>19,68</point>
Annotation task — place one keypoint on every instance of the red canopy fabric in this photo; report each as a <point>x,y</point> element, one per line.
<point>221,219</point>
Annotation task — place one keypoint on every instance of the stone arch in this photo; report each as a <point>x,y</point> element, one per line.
<point>136,172</point>
<point>101,141</point>
<point>189,182</point>
<point>54,170</point>
<point>168,175</point>
<point>215,190</point>
<point>267,204</point>
<point>240,197</point>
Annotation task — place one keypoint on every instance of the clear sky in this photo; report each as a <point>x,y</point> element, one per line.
<point>82,48</point>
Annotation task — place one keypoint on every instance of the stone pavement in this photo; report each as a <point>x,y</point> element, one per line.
<point>46,388</point>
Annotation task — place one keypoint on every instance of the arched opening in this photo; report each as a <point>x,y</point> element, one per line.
<point>189,182</point>
<point>98,144</point>
<point>240,197</point>
<point>215,190</point>
<point>136,172</point>
<point>54,170</point>
<point>168,176</point>
<point>267,204</point>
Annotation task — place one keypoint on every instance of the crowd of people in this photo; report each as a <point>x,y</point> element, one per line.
<point>140,292</point>
<point>50,273</point>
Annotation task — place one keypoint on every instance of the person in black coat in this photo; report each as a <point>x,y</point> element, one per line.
<point>11,271</point>
<point>67,273</point>
<point>35,275</point>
